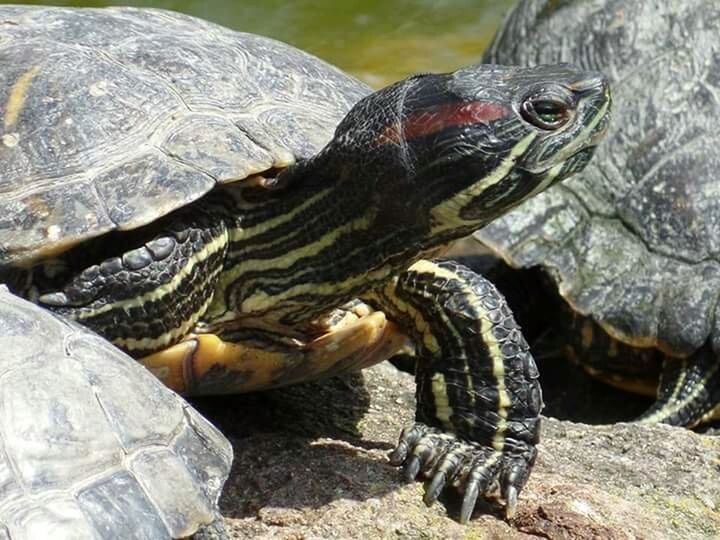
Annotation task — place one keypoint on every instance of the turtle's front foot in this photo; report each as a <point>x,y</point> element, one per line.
<point>470,467</point>
<point>478,390</point>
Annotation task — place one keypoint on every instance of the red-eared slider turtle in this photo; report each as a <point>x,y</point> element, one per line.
<point>205,199</point>
<point>91,444</point>
<point>633,244</point>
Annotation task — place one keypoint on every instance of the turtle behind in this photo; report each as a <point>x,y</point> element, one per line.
<point>633,242</point>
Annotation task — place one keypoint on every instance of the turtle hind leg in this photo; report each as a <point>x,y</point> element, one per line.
<point>258,359</point>
<point>689,391</point>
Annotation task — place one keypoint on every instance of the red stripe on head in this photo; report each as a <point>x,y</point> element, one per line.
<point>444,116</point>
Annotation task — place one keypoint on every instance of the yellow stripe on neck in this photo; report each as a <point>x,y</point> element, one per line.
<point>447,213</point>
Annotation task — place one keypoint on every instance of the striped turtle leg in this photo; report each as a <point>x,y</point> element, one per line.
<point>478,394</point>
<point>689,391</point>
<point>148,292</point>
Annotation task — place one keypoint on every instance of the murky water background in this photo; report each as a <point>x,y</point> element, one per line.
<point>377,40</point>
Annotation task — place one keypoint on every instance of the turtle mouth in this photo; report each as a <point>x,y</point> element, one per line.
<point>577,161</point>
<point>575,155</point>
<point>600,131</point>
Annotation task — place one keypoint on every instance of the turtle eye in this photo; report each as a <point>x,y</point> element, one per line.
<point>545,113</point>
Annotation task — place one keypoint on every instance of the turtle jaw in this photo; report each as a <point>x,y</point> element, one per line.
<point>576,162</point>
<point>519,159</point>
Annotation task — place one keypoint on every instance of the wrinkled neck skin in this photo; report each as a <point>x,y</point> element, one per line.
<point>351,218</point>
<point>325,238</point>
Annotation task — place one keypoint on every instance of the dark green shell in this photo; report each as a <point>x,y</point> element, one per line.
<point>95,135</point>
<point>634,240</point>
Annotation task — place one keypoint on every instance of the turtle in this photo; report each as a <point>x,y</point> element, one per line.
<point>630,246</point>
<point>81,455</point>
<point>237,215</point>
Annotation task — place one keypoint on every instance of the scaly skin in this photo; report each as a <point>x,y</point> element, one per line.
<point>475,378</point>
<point>411,167</point>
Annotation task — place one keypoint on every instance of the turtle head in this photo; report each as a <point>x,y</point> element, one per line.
<point>560,112</point>
<point>516,131</point>
<point>464,147</point>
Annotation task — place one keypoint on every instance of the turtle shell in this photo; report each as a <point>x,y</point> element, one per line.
<point>634,240</point>
<point>112,118</point>
<point>92,445</point>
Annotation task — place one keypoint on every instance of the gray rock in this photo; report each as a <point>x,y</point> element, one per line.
<point>311,463</point>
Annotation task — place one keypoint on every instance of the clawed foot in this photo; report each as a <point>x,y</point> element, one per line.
<point>468,466</point>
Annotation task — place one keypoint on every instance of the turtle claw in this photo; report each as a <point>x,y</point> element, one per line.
<point>408,437</point>
<point>468,504</point>
<point>432,492</point>
<point>511,502</point>
<point>412,468</point>
<point>58,299</point>
<point>470,467</point>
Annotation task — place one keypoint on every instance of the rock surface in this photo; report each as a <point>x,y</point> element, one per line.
<point>310,462</point>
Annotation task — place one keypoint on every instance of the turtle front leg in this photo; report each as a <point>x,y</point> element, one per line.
<point>478,394</point>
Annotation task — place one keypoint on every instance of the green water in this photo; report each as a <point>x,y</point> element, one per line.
<point>378,40</point>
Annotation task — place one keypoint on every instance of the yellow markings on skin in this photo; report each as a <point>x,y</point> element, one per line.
<point>218,308</point>
<point>700,386</point>
<point>171,336</point>
<point>443,410</point>
<point>447,213</point>
<point>491,342</point>
<point>261,301</point>
<point>241,233</point>
<point>424,266</point>
<point>287,259</point>
<point>582,137</point>
<point>548,179</point>
<point>665,411</point>
<point>16,99</point>
<point>419,322</point>
<point>168,288</point>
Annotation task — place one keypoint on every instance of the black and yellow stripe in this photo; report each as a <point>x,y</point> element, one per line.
<point>689,390</point>
<point>296,254</point>
<point>147,302</point>
<point>473,362</point>
<point>476,379</point>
